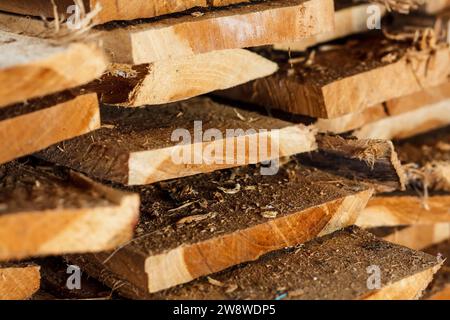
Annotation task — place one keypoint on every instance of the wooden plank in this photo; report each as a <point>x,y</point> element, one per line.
<point>427,159</point>
<point>46,212</point>
<point>408,124</point>
<point>32,67</point>
<point>180,78</point>
<point>143,146</point>
<point>54,119</point>
<point>338,81</point>
<point>374,162</point>
<point>203,224</point>
<point>294,274</point>
<point>244,26</point>
<point>416,236</point>
<point>426,98</point>
<point>110,10</point>
<point>349,19</point>
<point>405,209</point>
<point>18,281</point>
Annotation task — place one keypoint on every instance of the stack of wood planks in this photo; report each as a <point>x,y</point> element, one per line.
<point>224,149</point>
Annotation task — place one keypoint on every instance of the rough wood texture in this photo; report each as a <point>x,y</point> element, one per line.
<point>136,146</point>
<point>244,26</point>
<point>203,224</point>
<point>180,78</point>
<point>343,257</point>
<point>44,212</point>
<point>416,237</point>
<point>335,82</point>
<point>405,209</point>
<point>347,21</point>
<point>111,10</point>
<point>428,98</point>
<point>45,122</point>
<point>370,161</point>
<point>439,289</point>
<point>32,67</point>
<point>18,281</point>
<point>427,159</point>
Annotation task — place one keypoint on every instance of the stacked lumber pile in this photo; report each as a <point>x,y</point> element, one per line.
<point>224,149</point>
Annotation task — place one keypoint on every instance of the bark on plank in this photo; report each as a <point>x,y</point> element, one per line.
<point>110,10</point>
<point>374,162</point>
<point>405,209</point>
<point>293,273</point>
<point>136,145</point>
<point>43,212</point>
<point>180,78</point>
<point>52,121</point>
<point>18,281</point>
<point>427,98</point>
<point>427,159</point>
<point>349,19</point>
<point>32,67</point>
<point>336,82</point>
<point>439,289</point>
<point>203,224</point>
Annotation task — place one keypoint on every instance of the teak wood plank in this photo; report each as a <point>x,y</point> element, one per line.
<point>199,225</point>
<point>293,273</point>
<point>405,209</point>
<point>30,127</point>
<point>349,19</point>
<point>367,119</point>
<point>180,78</point>
<point>44,212</point>
<point>334,82</point>
<point>243,26</point>
<point>138,146</point>
<point>18,281</point>
<point>374,162</point>
<point>110,9</point>
<point>32,67</point>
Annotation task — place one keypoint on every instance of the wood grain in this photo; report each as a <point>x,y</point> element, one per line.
<point>18,281</point>
<point>340,81</point>
<point>180,78</point>
<point>426,98</point>
<point>31,132</point>
<point>32,67</point>
<point>347,21</point>
<point>292,274</point>
<point>43,214</point>
<point>111,10</point>
<point>137,146</point>
<point>169,250</point>
<point>244,26</point>
<point>397,210</point>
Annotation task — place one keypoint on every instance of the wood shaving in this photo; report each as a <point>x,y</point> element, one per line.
<point>269,214</point>
<point>215,282</point>
<point>235,190</point>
